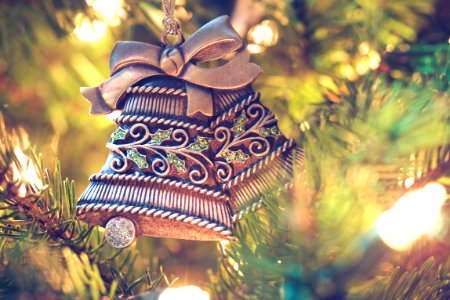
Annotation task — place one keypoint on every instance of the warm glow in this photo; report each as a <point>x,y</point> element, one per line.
<point>362,65</point>
<point>190,292</point>
<point>409,182</point>
<point>224,243</point>
<point>264,34</point>
<point>374,60</point>
<point>109,11</point>
<point>364,48</point>
<point>349,72</point>
<point>89,31</point>
<point>255,49</point>
<point>413,215</point>
<point>25,172</point>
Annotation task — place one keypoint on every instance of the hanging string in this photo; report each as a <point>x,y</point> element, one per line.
<point>171,25</point>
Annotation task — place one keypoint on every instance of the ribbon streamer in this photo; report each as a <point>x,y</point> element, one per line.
<point>133,61</point>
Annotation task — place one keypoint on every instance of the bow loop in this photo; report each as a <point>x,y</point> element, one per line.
<point>214,40</point>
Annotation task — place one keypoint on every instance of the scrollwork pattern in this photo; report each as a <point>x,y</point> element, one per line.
<point>179,141</point>
<point>250,139</point>
<point>171,149</point>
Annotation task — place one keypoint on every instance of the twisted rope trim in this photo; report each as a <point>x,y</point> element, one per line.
<point>235,109</point>
<point>171,122</point>
<point>156,90</point>
<point>246,211</point>
<point>238,216</point>
<point>142,178</point>
<point>161,213</point>
<point>163,121</point>
<point>250,171</point>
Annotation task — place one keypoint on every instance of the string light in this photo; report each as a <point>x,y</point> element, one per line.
<point>261,36</point>
<point>390,48</point>
<point>190,292</point>
<point>374,60</point>
<point>349,72</point>
<point>87,30</point>
<point>413,215</point>
<point>109,11</point>
<point>25,172</point>
<point>364,48</point>
<point>409,182</point>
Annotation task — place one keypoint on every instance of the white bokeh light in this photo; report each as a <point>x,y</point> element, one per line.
<point>109,11</point>
<point>90,31</point>
<point>190,292</point>
<point>413,215</point>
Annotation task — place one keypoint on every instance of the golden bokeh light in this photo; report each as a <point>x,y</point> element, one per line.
<point>262,35</point>
<point>109,11</point>
<point>415,214</point>
<point>89,31</point>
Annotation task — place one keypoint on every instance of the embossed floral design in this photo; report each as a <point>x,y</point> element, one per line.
<point>235,156</point>
<point>119,134</point>
<point>239,124</point>
<point>179,164</point>
<point>137,158</point>
<point>270,131</point>
<point>251,130</point>
<point>200,144</point>
<point>160,136</point>
<point>180,152</point>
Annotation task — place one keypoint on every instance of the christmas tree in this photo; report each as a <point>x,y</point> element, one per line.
<point>362,87</point>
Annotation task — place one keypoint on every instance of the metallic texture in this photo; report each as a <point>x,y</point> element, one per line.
<point>134,61</point>
<point>120,232</point>
<point>187,175</point>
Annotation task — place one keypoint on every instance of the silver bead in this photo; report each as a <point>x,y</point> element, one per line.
<point>120,232</point>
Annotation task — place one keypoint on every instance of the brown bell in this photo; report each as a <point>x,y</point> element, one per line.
<point>187,160</point>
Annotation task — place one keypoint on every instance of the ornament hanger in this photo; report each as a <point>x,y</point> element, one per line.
<point>171,25</point>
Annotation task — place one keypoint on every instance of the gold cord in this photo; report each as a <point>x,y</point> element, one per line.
<point>171,25</point>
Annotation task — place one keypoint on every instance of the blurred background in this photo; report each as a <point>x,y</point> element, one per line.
<point>49,48</point>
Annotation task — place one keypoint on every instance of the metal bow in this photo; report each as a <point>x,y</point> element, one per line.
<point>133,61</point>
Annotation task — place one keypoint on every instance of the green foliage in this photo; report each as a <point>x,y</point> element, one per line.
<point>424,283</point>
<point>359,156</point>
<point>361,151</point>
<point>323,41</point>
<point>44,250</point>
<point>264,250</point>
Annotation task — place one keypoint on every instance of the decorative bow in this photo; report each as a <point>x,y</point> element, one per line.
<point>134,61</point>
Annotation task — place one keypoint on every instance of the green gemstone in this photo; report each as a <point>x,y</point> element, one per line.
<point>137,158</point>
<point>160,136</point>
<point>119,134</point>
<point>177,162</point>
<point>239,124</point>
<point>271,131</point>
<point>235,156</point>
<point>200,144</point>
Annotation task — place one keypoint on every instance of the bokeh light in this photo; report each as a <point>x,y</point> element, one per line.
<point>413,215</point>
<point>190,292</point>
<point>26,172</point>
<point>109,11</point>
<point>262,35</point>
<point>89,31</point>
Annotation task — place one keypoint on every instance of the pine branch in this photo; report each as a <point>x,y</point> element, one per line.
<point>350,157</point>
<point>423,283</point>
<point>39,221</point>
